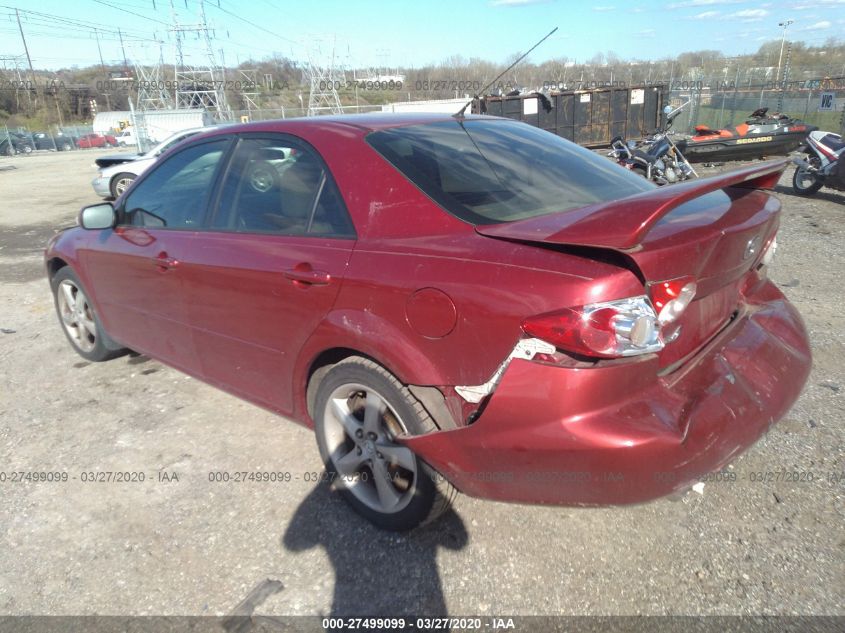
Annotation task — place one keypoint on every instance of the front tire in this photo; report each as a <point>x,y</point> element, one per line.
<point>120,183</point>
<point>79,321</point>
<point>360,408</point>
<point>804,183</point>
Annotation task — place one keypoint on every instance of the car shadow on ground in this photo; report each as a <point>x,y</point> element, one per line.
<point>377,573</point>
<point>830,195</point>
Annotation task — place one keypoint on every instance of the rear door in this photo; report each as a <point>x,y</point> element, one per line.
<point>267,268</point>
<point>136,269</point>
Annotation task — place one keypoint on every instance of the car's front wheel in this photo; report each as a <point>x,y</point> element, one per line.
<point>78,319</point>
<point>360,409</point>
<point>120,183</point>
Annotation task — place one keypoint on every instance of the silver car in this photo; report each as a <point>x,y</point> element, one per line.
<point>113,180</point>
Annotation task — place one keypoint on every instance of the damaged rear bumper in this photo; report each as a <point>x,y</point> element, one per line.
<point>620,433</point>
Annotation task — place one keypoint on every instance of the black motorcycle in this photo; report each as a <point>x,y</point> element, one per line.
<point>657,157</point>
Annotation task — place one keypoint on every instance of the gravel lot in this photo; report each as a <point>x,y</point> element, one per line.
<point>193,547</point>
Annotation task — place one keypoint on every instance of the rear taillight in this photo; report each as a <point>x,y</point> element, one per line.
<point>607,330</point>
<point>670,298</point>
<point>612,329</point>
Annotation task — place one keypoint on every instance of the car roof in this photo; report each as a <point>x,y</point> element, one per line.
<point>364,123</point>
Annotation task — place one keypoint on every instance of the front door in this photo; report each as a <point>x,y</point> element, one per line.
<point>136,268</point>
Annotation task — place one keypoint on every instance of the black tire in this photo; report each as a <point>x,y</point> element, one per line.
<point>798,186</point>
<point>423,495</point>
<point>26,149</point>
<point>66,147</point>
<point>120,182</point>
<point>92,343</point>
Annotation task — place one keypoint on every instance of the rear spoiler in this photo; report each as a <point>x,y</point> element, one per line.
<point>623,224</point>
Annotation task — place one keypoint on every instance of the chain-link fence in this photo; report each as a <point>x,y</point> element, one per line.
<point>819,102</point>
<point>21,140</point>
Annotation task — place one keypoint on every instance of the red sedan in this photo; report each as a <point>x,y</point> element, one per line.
<point>96,140</point>
<point>462,303</point>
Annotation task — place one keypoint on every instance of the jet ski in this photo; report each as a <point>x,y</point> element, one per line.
<point>761,135</point>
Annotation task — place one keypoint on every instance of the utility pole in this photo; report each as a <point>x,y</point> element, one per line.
<point>120,35</point>
<point>28,59</point>
<point>99,50</point>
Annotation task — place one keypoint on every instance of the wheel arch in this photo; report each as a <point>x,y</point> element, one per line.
<point>356,333</point>
<point>54,265</point>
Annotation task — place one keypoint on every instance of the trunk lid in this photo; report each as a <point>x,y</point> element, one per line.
<point>715,230</point>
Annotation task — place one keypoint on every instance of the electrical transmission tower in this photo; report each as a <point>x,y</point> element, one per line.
<point>152,89</point>
<point>200,85</point>
<point>324,81</point>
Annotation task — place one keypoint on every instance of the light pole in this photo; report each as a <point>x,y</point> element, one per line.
<point>785,24</point>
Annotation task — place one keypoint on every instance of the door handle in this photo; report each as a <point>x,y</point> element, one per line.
<point>164,262</point>
<point>302,275</point>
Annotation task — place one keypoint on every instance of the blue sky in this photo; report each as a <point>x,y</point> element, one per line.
<point>388,34</point>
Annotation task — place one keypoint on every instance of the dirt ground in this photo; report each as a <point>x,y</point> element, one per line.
<point>178,543</point>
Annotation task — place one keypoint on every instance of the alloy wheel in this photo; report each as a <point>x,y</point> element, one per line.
<point>77,316</point>
<point>360,429</point>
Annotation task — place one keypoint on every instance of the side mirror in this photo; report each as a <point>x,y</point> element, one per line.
<point>97,216</point>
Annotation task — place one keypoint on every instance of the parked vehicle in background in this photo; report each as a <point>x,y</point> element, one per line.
<point>822,166</point>
<point>469,297</point>
<point>657,158</point>
<point>96,140</point>
<point>761,135</point>
<point>118,171</point>
<point>43,140</point>
<point>15,143</point>
<point>126,137</point>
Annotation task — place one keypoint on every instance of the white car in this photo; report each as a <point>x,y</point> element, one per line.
<point>113,180</point>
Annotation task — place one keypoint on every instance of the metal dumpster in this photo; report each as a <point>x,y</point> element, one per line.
<point>588,117</point>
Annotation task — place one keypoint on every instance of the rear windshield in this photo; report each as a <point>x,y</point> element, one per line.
<point>486,172</point>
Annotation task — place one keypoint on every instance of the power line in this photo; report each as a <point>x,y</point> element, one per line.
<point>252,24</point>
<point>108,4</point>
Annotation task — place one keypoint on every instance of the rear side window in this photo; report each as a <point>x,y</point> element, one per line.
<point>487,172</point>
<point>276,186</point>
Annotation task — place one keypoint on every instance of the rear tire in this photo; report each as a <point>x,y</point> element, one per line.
<point>359,409</point>
<point>800,180</point>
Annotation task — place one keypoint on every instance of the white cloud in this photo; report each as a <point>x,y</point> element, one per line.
<point>750,13</point>
<point>646,33</point>
<point>515,3</point>
<point>818,26</point>
<point>705,15</point>
<point>701,3</point>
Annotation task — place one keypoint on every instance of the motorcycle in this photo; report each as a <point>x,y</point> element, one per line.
<point>822,166</point>
<point>657,158</point>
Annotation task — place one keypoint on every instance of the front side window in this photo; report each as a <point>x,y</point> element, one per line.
<point>486,172</point>
<point>175,193</point>
<point>274,185</point>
